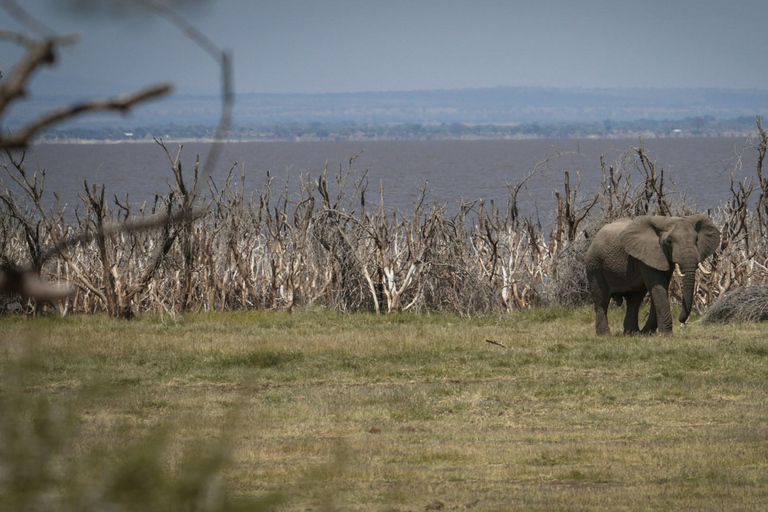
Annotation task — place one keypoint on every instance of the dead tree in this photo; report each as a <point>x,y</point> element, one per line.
<point>572,209</point>
<point>762,201</point>
<point>27,218</point>
<point>654,184</point>
<point>616,193</point>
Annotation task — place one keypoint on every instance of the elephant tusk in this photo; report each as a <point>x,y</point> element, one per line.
<point>703,270</point>
<point>677,269</point>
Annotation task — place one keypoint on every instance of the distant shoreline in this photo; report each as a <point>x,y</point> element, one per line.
<point>348,131</point>
<point>173,140</point>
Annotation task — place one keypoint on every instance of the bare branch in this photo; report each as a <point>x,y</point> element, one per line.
<point>17,281</point>
<point>119,103</point>
<point>26,19</point>
<point>183,26</point>
<point>25,40</point>
<point>128,226</point>
<point>14,86</point>
<point>223,59</point>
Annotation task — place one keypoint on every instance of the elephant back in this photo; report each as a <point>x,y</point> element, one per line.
<point>607,238</point>
<point>605,248</point>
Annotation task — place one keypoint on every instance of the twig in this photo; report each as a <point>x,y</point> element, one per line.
<point>26,19</point>
<point>120,103</point>
<point>25,40</point>
<point>497,343</point>
<point>222,58</point>
<point>25,282</point>
<point>128,226</point>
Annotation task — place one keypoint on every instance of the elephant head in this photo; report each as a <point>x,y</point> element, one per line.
<point>663,242</point>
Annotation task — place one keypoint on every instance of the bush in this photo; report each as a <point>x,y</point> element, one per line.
<point>747,304</point>
<point>567,285</point>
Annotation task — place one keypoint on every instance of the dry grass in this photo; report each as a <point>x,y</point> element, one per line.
<point>365,412</point>
<point>747,304</point>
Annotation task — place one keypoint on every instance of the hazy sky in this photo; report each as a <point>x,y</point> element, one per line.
<point>305,46</point>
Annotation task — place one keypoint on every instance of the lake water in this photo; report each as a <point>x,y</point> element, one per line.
<point>453,170</point>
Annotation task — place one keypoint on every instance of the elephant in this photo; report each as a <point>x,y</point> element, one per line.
<point>631,257</point>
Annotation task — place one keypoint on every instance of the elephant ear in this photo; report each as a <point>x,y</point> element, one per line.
<point>709,235</point>
<point>641,240</point>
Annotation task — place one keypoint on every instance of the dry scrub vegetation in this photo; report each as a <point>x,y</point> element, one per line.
<point>324,242</point>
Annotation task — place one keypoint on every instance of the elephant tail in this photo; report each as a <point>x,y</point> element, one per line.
<point>618,299</point>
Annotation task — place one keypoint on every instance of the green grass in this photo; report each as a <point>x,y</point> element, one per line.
<point>318,410</point>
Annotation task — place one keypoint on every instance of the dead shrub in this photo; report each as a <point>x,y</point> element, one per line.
<point>746,304</point>
<point>567,284</point>
<point>322,245</point>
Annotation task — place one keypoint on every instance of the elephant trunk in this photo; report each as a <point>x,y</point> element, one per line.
<point>688,269</point>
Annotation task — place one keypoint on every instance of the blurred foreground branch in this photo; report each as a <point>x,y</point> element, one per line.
<point>24,281</point>
<point>123,103</point>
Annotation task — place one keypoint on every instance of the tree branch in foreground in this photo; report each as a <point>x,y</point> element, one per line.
<point>25,281</point>
<point>128,226</point>
<point>122,104</point>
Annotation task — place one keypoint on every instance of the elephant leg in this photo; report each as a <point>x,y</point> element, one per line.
<point>634,299</point>
<point>660,301</point>
<point>651,324</point>
<point>601,299</point>
<point>601,317</point>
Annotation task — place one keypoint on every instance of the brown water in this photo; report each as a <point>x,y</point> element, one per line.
<point>453,170</point>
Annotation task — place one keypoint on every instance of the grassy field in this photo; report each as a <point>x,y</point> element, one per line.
<point>323,411</point>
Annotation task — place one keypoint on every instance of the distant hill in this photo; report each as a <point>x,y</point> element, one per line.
<point>503,106</point>
<point>507,105</point>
